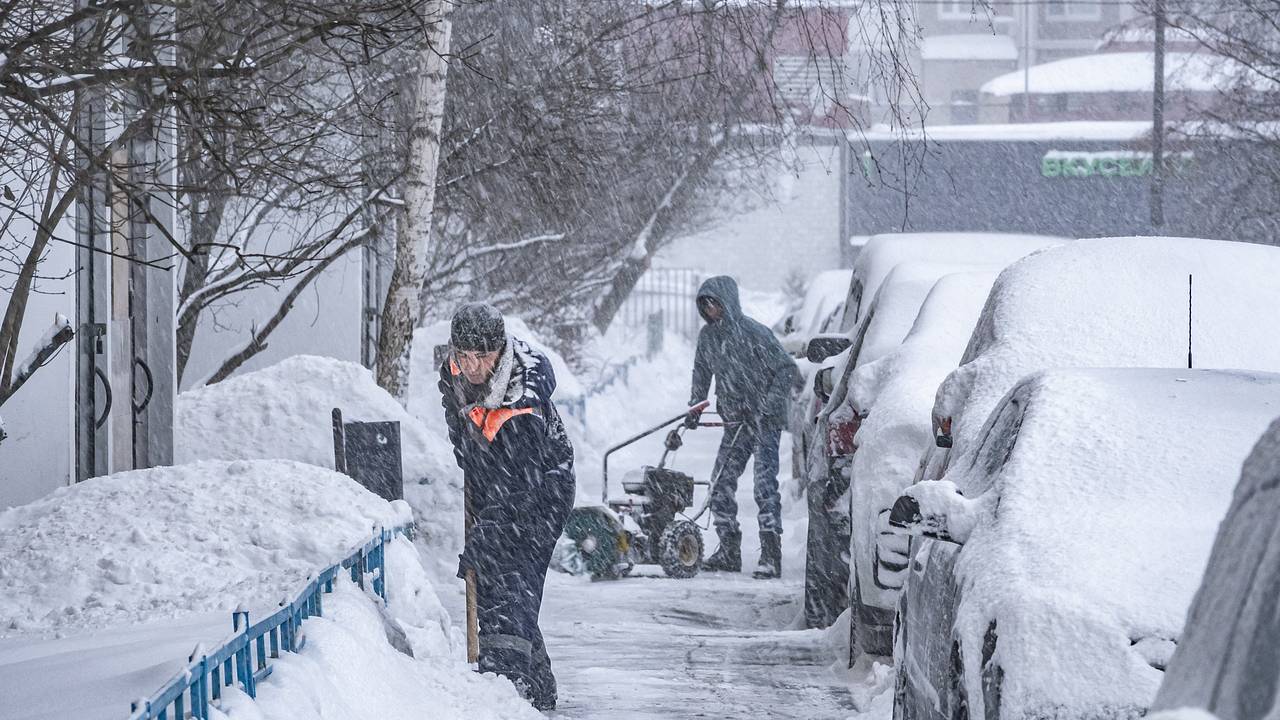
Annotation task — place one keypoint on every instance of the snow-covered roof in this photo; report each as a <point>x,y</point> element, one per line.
<point>897,392</point>
<point>975,46</point>
<point>885,251</point>
<point>1116,302</point>
<point>1091,536</point>
<point>1119,72</point>
<point>1107,130</point>
<point>1215,666</point>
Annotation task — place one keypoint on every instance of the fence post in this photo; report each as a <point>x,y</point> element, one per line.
<point>653,346</point>
<point>244,662</point>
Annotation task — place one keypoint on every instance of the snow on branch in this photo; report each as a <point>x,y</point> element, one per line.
<point>58,334</point>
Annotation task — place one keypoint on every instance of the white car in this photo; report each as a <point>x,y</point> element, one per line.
<point>1228,659</point>
<point>879,255</point>
<point>891,398</point>
<point>1112,302</point>
<point>886,322</point>
<point>1061,556</point>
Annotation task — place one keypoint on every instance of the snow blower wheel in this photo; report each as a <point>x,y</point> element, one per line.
<point>681,549</point>
<point>601,541</point>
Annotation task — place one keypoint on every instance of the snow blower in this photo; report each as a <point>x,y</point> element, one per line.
<point>648,524</point>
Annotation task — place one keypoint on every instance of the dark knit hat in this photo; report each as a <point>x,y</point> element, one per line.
<point>477,327</point>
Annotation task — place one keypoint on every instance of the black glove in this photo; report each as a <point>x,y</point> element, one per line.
<point>465,563</point>
<point>674,441</point>
<point>691,420</point>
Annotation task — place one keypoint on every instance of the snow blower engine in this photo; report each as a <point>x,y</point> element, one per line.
<point>648,524</point>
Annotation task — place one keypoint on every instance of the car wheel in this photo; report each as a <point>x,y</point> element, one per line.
<point>825,570</point>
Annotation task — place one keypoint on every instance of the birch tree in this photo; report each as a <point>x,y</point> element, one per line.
<point>402,311</point>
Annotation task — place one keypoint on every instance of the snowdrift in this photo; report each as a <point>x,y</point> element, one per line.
<point>283,411</point>
<point>152,544</point>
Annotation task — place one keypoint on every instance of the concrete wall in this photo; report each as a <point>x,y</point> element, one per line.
<point>798,229</point>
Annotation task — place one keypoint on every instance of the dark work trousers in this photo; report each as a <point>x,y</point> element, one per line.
<point>758,436</point>
<point>509,585</point>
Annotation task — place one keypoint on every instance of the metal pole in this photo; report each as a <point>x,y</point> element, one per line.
<point>1157,122</point>
<point>1026,62</point>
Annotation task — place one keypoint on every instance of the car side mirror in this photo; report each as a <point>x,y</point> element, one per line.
<point>822,384</point>
<point>821,347</point>
<point>907,517</point>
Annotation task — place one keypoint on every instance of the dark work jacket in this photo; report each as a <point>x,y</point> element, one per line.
<point>514,453</point>
<point>752,371</point>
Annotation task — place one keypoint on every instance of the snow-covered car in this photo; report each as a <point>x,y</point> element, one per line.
<point>890,398</point>
<point>818,313</point>
<point>878,257</point>
<point>884,252</point>
<point>1227,661</point>
<point>888,319</point>
<point>1059,560</point>
<point>1111,302</point>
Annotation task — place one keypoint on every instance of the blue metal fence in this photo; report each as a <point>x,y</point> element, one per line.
<point>244,658</point>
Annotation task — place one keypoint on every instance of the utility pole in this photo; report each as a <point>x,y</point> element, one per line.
<point>125,379</point>
<point>1157,121</point>
<point>1026,62</point>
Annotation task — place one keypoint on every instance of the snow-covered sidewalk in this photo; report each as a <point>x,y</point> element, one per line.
<point>715,646</point>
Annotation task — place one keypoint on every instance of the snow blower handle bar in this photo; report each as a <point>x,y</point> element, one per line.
<point>604,484</point>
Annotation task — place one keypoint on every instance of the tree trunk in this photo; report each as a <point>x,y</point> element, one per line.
<point>402,311</point>
<point>653,236</point>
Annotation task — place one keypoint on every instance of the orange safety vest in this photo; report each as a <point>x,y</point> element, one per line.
<point>489,421</point>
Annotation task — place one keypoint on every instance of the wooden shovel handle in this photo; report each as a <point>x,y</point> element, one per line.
<point>473,624</point>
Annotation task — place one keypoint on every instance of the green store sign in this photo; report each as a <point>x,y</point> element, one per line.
<point>1070,164</point>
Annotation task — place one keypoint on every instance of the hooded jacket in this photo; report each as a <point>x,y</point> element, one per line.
<point>752,371</point>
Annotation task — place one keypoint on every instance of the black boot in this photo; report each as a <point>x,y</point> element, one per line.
<point>770,565</point>
<point>728,557</point>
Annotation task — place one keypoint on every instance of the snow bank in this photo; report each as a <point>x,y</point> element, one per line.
<point>1093,533</point>
<point>166,542</point>
<point>284,411</point>
<point>350,670</point>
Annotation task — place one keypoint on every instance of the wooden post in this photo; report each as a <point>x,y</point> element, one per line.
<point>473,613</point>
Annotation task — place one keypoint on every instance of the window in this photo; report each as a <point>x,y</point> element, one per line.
<point>1073,10</point>
<point>997,444</point>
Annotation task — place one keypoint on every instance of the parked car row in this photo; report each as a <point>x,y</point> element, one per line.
<point>1031,471</point>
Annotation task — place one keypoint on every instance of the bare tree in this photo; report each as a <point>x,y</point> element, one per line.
<point>1238,120</point>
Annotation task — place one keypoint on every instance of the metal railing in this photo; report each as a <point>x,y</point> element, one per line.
<point>669,293</point>
<point>243,659</point>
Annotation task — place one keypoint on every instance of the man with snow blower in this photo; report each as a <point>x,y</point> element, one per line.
<point>753,376</point>
<point>517,465</point>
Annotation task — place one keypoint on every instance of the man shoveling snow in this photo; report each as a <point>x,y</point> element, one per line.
<point>518,467</point>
